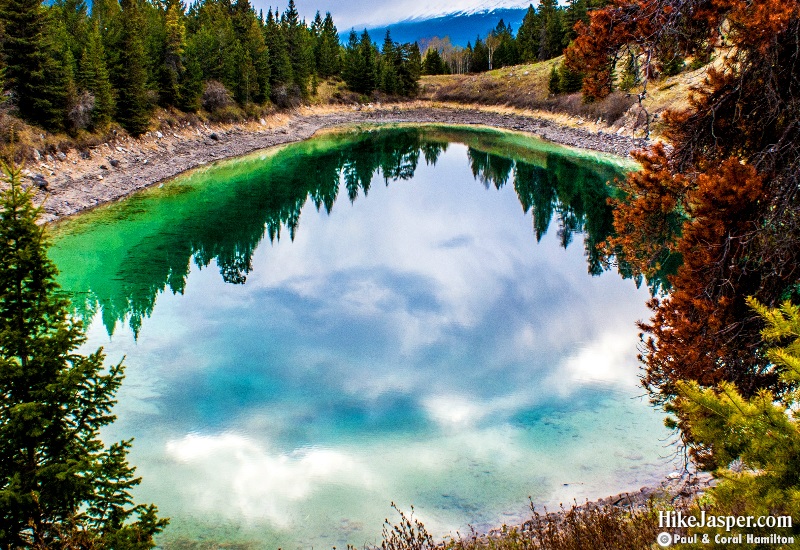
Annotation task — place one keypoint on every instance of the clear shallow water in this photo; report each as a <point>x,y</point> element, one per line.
<point>424,338</point>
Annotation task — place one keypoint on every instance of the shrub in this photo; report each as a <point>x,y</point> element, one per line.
<point>215,96</point>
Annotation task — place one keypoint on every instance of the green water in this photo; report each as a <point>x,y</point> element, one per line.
<point>405,314</point>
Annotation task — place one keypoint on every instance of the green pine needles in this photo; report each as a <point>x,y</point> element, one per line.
<point>753,445</point>
<point>60,486</point>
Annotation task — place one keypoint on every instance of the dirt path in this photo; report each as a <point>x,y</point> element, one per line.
<point>77,182</point>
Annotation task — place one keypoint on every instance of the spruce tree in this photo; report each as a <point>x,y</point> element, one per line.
<point>172,71</point>
<point>433,63</point>
<point>298,46</point>
<point>480,57</point>
<point>134,106</point>
<point>56,94</point>
<point>577,10</point>
<point>192,84</point>
<point>316,38</point>
<point>551,32</point>
<point>93,77</point>
<point>367,52</point>
<point>329,49</point>
<point>414,62</point>
<point>256,50</point>
<point>352,65</point>
<point>389,80</point>
<point>570,81</point>
<point>60,486</point>
<point>25,52</point>
<point>73,15</point>
<point>280,66</point>
<point>528,36</point>
<point>217,45</point>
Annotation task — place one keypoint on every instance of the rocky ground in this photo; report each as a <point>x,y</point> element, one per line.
<point>676,492</point>
<point>73,182</point>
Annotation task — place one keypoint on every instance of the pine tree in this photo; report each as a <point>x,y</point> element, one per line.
<point>554,82</point>
<point>763,432</point>
<point>134,105</point>
<point>299,47</point>
<point>528,35</point>
<point>57,93</point>
<point>25,51</point>
<point>409,68</point>
<point>59,484</point>
<point>570,81</point>
<point>174,48</point>
<point>107,15</point>
<point>316,38</point>
<point>217,46</point>
<point>192,84</point>
<point>630,74</point>
<point>256,49</point>
<point>414,62</point>
<point>359,70</point>
<point>480,57</point>
<point>433,63</point>
<point>367,51</point>
<point>551,32</point>
<point>329,50</point>
<point>389,80</point>
<point>577,10</point>
<point>280,66</point>
<point>93,77</point>
<point>507,52</point>
<point>73,15</point>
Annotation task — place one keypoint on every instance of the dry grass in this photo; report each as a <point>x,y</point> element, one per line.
<point>587,527</point>
<point>525,88</point>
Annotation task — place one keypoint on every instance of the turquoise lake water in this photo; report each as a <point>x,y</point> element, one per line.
<point>405,315</point>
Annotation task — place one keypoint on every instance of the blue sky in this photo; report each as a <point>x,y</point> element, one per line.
<point>371,13</point>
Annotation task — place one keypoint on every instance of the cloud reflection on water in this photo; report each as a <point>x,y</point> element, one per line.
<point>417,346</point>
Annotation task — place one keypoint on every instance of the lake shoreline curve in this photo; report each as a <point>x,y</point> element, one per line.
<point>79,181</point>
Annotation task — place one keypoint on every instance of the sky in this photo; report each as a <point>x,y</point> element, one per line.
<point>370,13</point>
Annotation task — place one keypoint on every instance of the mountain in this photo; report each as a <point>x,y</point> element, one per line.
<point>461,27</point>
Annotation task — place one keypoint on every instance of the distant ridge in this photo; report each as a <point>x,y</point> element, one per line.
<point>461,27</point>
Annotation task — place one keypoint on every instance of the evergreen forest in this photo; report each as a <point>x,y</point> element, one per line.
<point>72,66</point>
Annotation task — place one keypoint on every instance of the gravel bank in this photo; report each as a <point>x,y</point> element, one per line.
<point>77,182</point>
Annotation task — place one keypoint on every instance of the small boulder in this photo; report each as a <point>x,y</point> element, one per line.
<point>40,182</point>
<point>85,155</point>
<point>214,136</point>
<point>113,162</point>
<point>103,167</point>
<point>61,156</point>
<point>159,135</point>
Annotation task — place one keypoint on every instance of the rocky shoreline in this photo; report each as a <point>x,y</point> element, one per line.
<point>677,491</point>
<point>77,181</point>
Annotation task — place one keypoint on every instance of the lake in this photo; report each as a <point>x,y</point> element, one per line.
<point>406,314</point>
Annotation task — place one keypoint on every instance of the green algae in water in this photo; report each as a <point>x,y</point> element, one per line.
<point>379,315</point>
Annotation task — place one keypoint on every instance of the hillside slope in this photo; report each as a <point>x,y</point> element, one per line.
<point>525,87</point>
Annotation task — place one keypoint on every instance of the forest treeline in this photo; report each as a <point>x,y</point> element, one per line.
<point>545,31</point>
<point>68,68</point>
